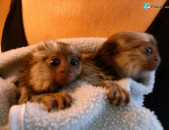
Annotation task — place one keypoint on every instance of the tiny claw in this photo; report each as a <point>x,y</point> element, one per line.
<point>117,95</point>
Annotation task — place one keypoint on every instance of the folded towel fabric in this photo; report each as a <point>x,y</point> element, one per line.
<point>90,108</point>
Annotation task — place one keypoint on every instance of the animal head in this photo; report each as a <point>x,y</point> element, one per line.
<point>129,53</point>
<point>53,63</point>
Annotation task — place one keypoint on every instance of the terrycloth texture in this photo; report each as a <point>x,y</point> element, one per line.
<point>90,108</point>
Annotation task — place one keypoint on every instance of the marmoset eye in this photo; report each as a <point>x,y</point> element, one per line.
<point>74,62</point>
<point>54,62</point>
<point>148,50</point>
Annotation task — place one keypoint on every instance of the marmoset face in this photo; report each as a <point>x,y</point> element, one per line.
<point>52,64</point>
<point>129,53</point>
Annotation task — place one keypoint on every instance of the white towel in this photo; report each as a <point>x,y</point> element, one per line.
<point>90,108</point>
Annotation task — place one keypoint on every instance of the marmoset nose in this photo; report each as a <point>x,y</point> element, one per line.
<point>66,71</point>
<point>156,59</point>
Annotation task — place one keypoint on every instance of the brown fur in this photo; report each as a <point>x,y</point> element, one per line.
<point>59,100</point>
<point>36,82</point>
<point>123,55</point>
<point>96,76</point>
<point>38,76</point>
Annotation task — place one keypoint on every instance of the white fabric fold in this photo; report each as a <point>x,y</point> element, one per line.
<point>90,108</point>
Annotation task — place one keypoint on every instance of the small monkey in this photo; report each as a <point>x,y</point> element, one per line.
<point>47,69</point>
<point>123,55</point>
<point>127,54</point>
<point>51,66</point>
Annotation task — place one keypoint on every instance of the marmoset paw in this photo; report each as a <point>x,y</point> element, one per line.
<point>59,100</point>
<point>63,100</point>
<point>117,95</point>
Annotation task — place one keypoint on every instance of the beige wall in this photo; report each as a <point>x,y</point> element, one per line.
<point>4,8</point>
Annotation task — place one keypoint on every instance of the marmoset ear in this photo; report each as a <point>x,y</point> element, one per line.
<point>109,48</point>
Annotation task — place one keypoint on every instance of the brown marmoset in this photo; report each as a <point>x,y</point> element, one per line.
<point>126,54</point>
<point>45,70</point>
<point>51,66</point>
<point>123,55</point>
